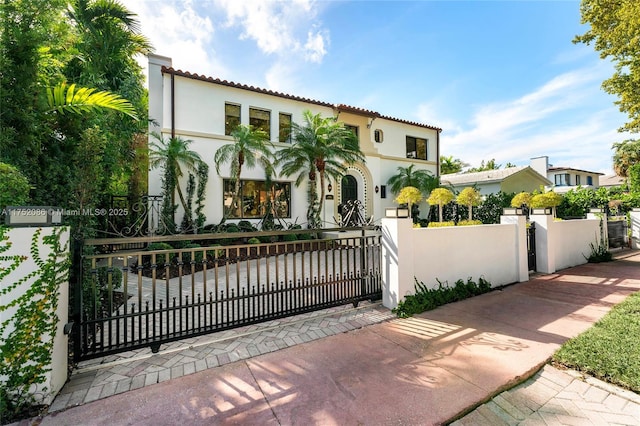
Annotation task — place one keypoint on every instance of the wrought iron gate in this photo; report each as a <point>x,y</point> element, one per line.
<point>129,299</point>
<point>531,246</point>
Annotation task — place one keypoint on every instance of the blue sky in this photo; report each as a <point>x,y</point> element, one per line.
<point>501,78</point>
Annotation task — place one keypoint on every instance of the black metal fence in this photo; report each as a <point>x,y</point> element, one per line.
<point>531,246</point>
<point>143,298</point>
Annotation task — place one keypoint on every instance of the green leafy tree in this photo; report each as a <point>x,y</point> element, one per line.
<point>547,199</point>
<point>521,199</point>
<point>614,31</point>
<point>626,154</point>
<point>449,165</point>
<point>409,176</point>
<point>440,197</point>
<point>469,197</point>
<point>634,178</point>
<point>15,187</point>
<point>174,156</point>
<point>484,166</point>
<point>322,148</point>
<point>409,195</point>
<point>492,207</point>
<point>250,147</point>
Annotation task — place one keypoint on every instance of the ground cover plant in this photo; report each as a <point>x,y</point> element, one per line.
<point>610,350</point>
<point>426,298</point>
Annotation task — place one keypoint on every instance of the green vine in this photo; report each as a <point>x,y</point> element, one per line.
<point>25,352</point>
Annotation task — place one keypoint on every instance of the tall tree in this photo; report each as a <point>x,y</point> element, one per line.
<point>408,176</point>
<point>449,165</point>
<point>173,155</point>
<point>485,166</point>
<point>322,148</point>
<point>614,30</point>
<point>626,154</point>
<point>250,147</point>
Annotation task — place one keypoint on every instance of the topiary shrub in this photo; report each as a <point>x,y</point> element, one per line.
<point>290,237</point>
<point>186,256</point>
<point>254,240</point>
<point>440,224</point>
<point>469,222</point>
<point>216,253</point>
<point>160,258</point>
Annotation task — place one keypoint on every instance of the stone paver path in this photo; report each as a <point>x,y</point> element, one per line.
<point>104,377</point>
<point>556,397</point>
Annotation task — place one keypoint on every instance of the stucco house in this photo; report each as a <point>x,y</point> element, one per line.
<point>564,179</point>
<point>205,109</point>
<point>508,180</point>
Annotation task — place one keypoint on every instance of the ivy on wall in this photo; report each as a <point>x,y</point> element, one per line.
<point>26,350</point>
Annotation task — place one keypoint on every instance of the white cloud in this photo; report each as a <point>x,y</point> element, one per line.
<point>278,27</point>
<point>548,121</point>
<point>177,30</point>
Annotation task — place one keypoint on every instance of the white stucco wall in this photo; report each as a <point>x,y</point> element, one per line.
<point>635,229</point>
<point>562,244</point>
<point>20,239</point>
<point>494,252</point>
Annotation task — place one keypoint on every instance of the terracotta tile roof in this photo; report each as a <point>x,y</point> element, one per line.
<point>339,107</point>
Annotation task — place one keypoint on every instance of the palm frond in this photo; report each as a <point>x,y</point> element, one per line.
<point>62,98</point>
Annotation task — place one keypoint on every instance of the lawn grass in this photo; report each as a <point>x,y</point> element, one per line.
<point>610,350</point>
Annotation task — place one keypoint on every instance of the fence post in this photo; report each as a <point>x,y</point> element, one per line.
<point>75,280</point>
<point>635,228</point>
<point>397,260</point>
<point>522,263</point>
<point>545,243</point>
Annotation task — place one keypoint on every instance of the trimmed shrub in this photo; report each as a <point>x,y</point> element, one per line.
<point>440,224</point>
<point>469,222</point>
<point>160,258</point>
<point>253,240</point>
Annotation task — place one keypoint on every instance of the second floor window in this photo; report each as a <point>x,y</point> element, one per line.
<point>417,148</point>
<point>260,119</point>
<point>354,130</point>
<point>284,134</point>
<point>589,180</point>
<point>562,179</point>
<point>231,117</point>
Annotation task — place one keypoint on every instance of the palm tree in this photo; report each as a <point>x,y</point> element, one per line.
<point>250,147</point>
<point>322,147</point>
<point>63,98</point>
<point>407,176</point>
<point>627,153</point>
<point>109,37</point>
<point>173,155</point>
<point>450,165</point>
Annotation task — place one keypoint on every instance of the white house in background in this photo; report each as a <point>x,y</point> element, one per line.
<point>204,110</point>
<point>611,181</point>
<point>564,179</point>
<point>508,180</point>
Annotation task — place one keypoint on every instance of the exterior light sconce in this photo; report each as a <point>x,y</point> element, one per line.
<point>377,189</point>
<point>402,212</point>
<point>544,210</point>
<point>399,212</point>
<point>513,211</point>
<point>329,187</point>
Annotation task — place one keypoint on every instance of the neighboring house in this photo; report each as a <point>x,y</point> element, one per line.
<point>564,179</point>
<point>508,180</point>
<point>611,181</point>
<point>205,110</point>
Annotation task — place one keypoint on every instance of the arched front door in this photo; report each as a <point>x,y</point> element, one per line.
<point>349,188</point>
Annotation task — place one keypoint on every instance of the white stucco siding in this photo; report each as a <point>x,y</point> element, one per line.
<point>395,138</point>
